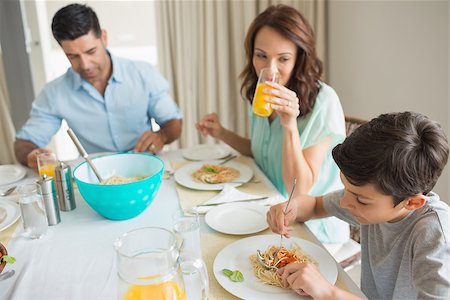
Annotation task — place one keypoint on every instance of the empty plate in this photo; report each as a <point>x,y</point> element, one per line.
<point>9,213</point>
<point>237,218</point>
<point>11,173</point>
<point>205,152</point>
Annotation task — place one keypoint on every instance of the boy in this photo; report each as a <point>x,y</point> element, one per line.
<point>388,167</point>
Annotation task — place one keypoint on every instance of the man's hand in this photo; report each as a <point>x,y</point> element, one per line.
<point>278,221</point>
<point>151,141</point>
<point>32,157</point>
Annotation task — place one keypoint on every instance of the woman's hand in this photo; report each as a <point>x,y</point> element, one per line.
<point>278,221</point>
<point>285,103</point>
<point>210,125</point>
<point>305,279</point>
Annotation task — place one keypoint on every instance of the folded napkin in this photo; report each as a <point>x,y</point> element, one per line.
<point>230,194</point>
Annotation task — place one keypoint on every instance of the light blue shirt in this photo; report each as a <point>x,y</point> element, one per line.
<point>136,92</point>
<point>325,120</point>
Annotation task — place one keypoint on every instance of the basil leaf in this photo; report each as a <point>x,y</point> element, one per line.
<point>237,276</point>
<point>227,272</point>
<point>209,170</point>
<point>8,259</point>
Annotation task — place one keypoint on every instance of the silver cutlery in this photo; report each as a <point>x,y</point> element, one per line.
<point>285,212</point>
<point>228,159</point>
<point>223,202</point>
<point>259,254</point>
<point>7,275</point>
<point>262,262</point>
<point>84,153</point>
<point>8,191</point>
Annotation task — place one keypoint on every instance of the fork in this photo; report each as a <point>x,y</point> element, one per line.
<point>285,212</point>
<point>8,191</point>
<point>227,159</point>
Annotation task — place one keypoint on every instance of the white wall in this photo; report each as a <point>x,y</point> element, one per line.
<point>389,56</point>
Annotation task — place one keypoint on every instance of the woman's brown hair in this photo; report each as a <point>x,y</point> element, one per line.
<point>308,68</point>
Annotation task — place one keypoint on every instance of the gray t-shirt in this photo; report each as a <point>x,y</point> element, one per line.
<point>408,259</point>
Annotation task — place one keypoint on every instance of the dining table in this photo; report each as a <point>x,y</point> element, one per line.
<point>76,259</point>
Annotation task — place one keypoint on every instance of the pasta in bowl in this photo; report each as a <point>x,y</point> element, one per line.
<point>131,181</point>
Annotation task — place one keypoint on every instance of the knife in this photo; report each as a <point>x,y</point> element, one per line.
<point>223,202</point>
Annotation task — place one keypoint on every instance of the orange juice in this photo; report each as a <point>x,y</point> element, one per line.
<point>168,290</point>
<point>261,107</point>
<point>48,170</point>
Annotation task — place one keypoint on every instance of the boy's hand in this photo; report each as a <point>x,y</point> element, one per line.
<point>305,279</point>
<point>278,221</point>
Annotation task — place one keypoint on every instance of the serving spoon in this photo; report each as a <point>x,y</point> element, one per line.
<point>84,153</point>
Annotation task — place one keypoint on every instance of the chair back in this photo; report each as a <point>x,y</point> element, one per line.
<point>351,123</point>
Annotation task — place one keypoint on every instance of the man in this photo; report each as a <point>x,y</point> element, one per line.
<point>108,101</point>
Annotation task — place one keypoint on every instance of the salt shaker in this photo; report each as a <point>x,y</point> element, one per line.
<point>46,188</point>
<point>64,188</point>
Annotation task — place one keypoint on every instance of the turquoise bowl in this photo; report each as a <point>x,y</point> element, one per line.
<point>120,201</point>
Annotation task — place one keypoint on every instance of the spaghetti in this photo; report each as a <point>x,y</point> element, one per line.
<point>278,260</point>
<point>116,179</point>
<point>215,174</point>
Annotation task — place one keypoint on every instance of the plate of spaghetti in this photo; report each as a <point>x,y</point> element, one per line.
<point>260,283</point>
<point>212,176</point>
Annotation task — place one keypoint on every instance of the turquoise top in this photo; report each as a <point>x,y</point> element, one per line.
<point>325,120</point>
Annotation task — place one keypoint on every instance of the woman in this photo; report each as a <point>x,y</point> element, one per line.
<point>307,120</point>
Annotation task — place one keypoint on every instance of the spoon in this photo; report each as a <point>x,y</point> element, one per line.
<point>8,191</point>
<point>84,153</point>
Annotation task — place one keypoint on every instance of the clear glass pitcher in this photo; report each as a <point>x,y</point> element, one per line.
<point>150,266</point>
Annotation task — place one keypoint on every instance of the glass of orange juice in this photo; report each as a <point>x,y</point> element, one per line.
<point>46,164</point>
<point>260,106</point>
<point>149,266</point>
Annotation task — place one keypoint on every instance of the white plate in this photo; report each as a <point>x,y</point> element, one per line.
<point>12,210</point>
<point>11,173</point>
<point>184,177</point>
<point>236,257</point>
<point>251,216</point>
<point>205,152</point>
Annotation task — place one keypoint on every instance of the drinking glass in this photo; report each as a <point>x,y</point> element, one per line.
<point>150,266</point>
<point>260,106</point>
<point>33,213</point>
<point>187,225</point>
<point>46,164</point>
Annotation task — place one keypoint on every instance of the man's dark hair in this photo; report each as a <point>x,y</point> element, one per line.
<point>402,154</point>
<point>73,21</point>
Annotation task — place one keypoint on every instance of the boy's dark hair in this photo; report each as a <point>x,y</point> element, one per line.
<point>73,21</point>
<point>403,154</point>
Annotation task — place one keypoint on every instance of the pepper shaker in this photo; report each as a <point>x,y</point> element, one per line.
<point>64,188</point>
<point>46,188</point>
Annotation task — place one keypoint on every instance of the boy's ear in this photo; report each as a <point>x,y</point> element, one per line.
<point>415,202</point>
